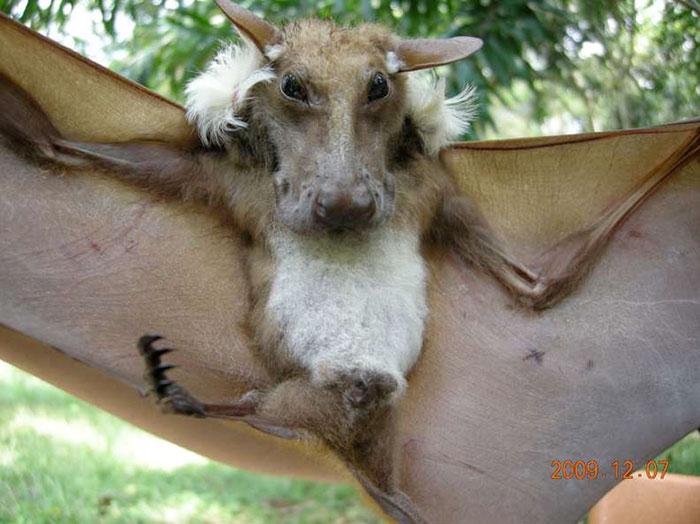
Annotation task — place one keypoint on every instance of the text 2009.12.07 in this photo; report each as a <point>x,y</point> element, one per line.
<point>618,469</point>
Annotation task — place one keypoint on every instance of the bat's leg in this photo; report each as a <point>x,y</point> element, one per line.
<point>349,410</point>
<point>373,460</point>
<point>176,399</point>
<point>394,503</point>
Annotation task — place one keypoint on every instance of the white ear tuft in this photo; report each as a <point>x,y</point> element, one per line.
<point>439,121</point>
<point>393,63</point>
<point>216,98</point>
<point>273,52</point>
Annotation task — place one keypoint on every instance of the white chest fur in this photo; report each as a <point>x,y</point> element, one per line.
<point>350,303</point>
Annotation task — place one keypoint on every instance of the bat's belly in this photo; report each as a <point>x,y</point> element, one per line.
<point>344,303</point>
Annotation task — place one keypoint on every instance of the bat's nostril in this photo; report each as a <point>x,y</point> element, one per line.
<point>364,202</point>
<point>321,209</point>
<point>283,187</point>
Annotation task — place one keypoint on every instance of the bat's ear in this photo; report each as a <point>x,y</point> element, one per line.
<point>263,34</point>
<point>422,53</point>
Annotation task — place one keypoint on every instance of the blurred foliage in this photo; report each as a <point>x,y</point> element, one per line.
<point>605,64</point>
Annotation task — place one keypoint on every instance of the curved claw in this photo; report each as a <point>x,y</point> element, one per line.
<point>172,397</point>
<point>162,386</point>
<point>160,369</point>
<point>145,344</point>
<point>155,354</point>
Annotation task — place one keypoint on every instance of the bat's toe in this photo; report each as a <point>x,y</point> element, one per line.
<point>145,344</point>
<point>172,397</point>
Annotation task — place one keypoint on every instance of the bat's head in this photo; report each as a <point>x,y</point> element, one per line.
<point>337,109</point>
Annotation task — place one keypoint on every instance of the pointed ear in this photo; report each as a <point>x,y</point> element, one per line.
<point>422,53</point>
<point>262,33</point>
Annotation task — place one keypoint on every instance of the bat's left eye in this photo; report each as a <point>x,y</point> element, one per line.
<point>292,88</point>
<point>378,87</point>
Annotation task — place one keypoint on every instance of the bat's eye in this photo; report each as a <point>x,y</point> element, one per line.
<point>378,87</point>
<point>292,88</point>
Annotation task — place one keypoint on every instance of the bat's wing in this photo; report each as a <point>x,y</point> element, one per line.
<point>85,101</point>
<point>538,191</point>
<point>88,265</point>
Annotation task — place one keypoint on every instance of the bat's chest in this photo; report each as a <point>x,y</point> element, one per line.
<point>350,302</point>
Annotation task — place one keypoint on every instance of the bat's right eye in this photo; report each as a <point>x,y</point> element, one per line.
<point>292,88</point>
<point>378,88</point>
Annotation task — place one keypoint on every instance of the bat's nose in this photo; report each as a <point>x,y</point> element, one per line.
<point>347,209</point>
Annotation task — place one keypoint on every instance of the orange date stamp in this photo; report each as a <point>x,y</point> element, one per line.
<point>618,470</point>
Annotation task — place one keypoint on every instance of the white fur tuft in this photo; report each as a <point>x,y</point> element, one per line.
<point>216,98</point>
<point>439,121</point>
<point>273,52</point>
<point>393,63</point>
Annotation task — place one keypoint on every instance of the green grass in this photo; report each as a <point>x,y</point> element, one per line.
<point>63,461</point>
<point>684,456</point>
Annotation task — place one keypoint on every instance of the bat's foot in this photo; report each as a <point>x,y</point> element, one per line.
<point>366,388</point>
<point>172,397</point>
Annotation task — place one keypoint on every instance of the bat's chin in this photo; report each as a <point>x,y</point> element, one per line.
<point>323,230</point>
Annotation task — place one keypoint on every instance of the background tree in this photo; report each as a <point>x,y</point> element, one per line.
<point>557,65</point>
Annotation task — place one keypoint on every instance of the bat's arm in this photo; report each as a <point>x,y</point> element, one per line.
<point>561,268</point>
<point>161,167</point>
<point>459,225</point>
<point>169,169</point>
